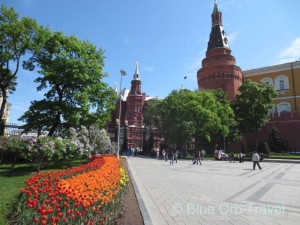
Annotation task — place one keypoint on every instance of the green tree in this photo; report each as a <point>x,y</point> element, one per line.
<point>71,74</point>
<point>171,109</point>
<point>4,143</point>
<point>152,120</point>
<point>275,142</point>
<point>16,39</point>
<point>187,114</point>
<point>225,112</point>
<point>11,149</point>
<point>252,106</point>
<point>152,113</point>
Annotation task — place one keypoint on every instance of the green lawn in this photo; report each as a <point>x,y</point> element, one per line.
<point>10,184</point>
<point>274,155</point>
<point>12,181</point>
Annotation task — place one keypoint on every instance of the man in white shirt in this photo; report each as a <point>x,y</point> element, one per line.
<point>241,157</point>
<point>255,160</point>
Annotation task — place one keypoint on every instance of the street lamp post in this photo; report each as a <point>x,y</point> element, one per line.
<point>125,139</point>
<point>224,136</point>
<point>123,73</point>
<point>224,142</point>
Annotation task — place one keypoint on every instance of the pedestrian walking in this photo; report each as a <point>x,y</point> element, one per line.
<point>202,154</point>
<point>164,155</point>
<point>261,157</point>
<point>241,157</point>
<point>231,157</point>
<point>171,156</point>
<point>197,157</point>
<point>175,154</point>
<point>255,160</point>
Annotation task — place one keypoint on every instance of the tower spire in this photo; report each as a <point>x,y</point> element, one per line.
<point>218,67</point>
<point>136,75</point>
<point>217,37</point>
<point>116,88</point>
<point>216,10</point>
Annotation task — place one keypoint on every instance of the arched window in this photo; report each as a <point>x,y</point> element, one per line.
<point>283,107</point>
<point>267,80</point>
<point>281,83</point>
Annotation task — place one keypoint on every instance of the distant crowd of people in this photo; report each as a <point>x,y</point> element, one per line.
<point>171,154</point>
<point>132,152</point>
<point>220,155</point>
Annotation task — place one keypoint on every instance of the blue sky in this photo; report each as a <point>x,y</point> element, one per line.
<point>167,37</point>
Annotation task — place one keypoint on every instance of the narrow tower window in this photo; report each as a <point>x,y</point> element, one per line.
<point>281,85</point>
<point>225,40</point>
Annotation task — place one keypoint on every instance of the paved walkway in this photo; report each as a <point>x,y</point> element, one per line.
<point>217,192</point>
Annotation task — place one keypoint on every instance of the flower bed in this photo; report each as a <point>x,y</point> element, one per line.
<point>88,194</point>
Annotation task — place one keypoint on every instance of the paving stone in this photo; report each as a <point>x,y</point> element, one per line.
<point>217,192</point>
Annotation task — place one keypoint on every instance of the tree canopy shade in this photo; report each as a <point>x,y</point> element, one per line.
<point>187,114</point>
<point>16,39</point>
<point>152,116</point>
<point>275,142</point>
<point>152,120</point>
<point>71,74</point>
<point>252,106</point>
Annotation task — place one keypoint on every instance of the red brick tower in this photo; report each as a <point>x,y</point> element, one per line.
<point>134,112</point>
<point>218,68</point>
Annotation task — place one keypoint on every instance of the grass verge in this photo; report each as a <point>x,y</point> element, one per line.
<point>12,180</point>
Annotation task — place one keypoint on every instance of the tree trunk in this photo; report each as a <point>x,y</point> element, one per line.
<point>256,141</point>
<point>40,164</point>
<point>186,149</point>
<point>2,111</point>
<point>2,127</point>
<point>55,125</point>
<point>57,118</point>
<point>39,132</point>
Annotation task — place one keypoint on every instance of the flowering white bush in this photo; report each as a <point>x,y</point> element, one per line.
<point>43,149</point>
<point>91,141</point>
<point>83,142</point>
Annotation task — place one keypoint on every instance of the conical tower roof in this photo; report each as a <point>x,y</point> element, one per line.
<point>217,37</point>
<point>216,10</point>
<point>136,75</point>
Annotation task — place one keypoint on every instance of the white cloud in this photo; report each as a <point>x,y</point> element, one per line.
<point>232,37</point>
<point>291,53</point>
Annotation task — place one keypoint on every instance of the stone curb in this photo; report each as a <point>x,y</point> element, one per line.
<point>143,209</point>
<point>282,160</point>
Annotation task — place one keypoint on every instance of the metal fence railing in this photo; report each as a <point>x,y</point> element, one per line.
<point>12,129</point>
